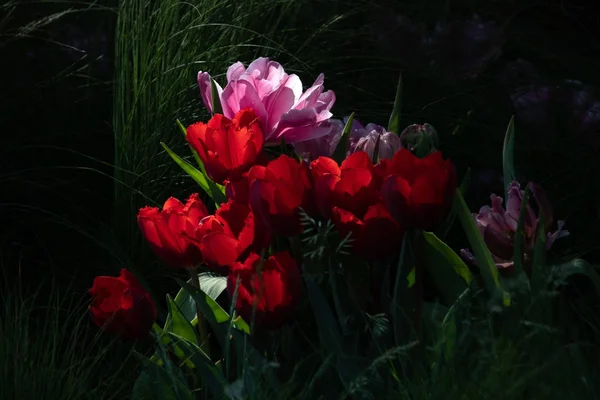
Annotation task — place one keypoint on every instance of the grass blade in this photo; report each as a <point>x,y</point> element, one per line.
<point>394,123</point>
<point>508,155</point>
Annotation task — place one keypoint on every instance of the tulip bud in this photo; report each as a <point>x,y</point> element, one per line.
<point>421,140</point>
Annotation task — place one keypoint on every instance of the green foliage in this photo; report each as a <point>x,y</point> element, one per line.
<point>53,352</point>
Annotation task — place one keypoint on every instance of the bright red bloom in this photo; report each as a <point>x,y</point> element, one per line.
<point>419,191</point>
<point>353,186</point>
<point>122,306</point>
<point>229,234</point>
<point>349,195</point>
<point>169,231</point>
<point>375,235</point>
<point>274,291</point>
<point>228,148</point>
<point>277,192</point>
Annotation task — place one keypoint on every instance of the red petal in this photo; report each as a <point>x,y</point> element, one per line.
<point>219,249</point>
<point>360,159</point>
<point>324,165</point>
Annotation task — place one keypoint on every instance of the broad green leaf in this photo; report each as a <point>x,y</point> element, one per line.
<point>508,156</point>
<point>216,101</point>
<point>179,324</point>
<point>448,271</point>
<point>402,307</point>
<point>482,254</point>
<point>394,123</point>
<point>520,234</point>
<point>211,284</point>
<point>443,230</point>
<point>212,311</point>
<point>342,147</point>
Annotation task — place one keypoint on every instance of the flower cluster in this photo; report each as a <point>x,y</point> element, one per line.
<point>383,185</point>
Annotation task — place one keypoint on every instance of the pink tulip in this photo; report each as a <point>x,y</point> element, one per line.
<point>284,111</point>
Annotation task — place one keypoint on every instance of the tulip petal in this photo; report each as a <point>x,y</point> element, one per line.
<point>219,249</point>
<point>204,80</point>
<point>241,94</point>
<point>235,71</point>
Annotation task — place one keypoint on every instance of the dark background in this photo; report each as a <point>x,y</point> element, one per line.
<point>467,67</point>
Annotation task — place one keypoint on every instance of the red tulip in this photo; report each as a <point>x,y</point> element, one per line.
<point>375,236</point>
<point>237,190</point>
<point>419,191</point>
<point>122,306</point>
<point>228,148</point>
<point>273,292</point>
<point>349,195</point>
<point>353,186</point>
<point>169,231</point>
<point>277,192</point>
<point>229,234</point>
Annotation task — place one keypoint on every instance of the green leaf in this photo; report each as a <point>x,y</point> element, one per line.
<point>216,316</point>
<point>443,230</point>
<point>342,148</point>
<point>178,323</point>
<point>520,234</point>
<point>394,123</point>
<point>402,307</point>
<point>216,192</point>
<point>448,271</point>
<point>508,156</point>
<point>181,127</point>
<point>482,254</point>
<point>211,284</point>
<point>216,101</point>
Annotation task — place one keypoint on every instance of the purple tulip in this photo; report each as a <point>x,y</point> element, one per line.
<point>499,226</point>
<point>367,138</point>
<point>285,112</point>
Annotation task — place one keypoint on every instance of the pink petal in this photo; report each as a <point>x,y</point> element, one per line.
<point>235,71</point>
<point>205,90</point>
<point>241,94</point>
<point>280,101</point>
<point>299,126</point>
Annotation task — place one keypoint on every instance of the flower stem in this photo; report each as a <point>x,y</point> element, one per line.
<point>201,324</point>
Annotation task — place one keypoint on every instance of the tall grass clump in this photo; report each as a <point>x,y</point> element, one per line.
<point>52,352</point>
